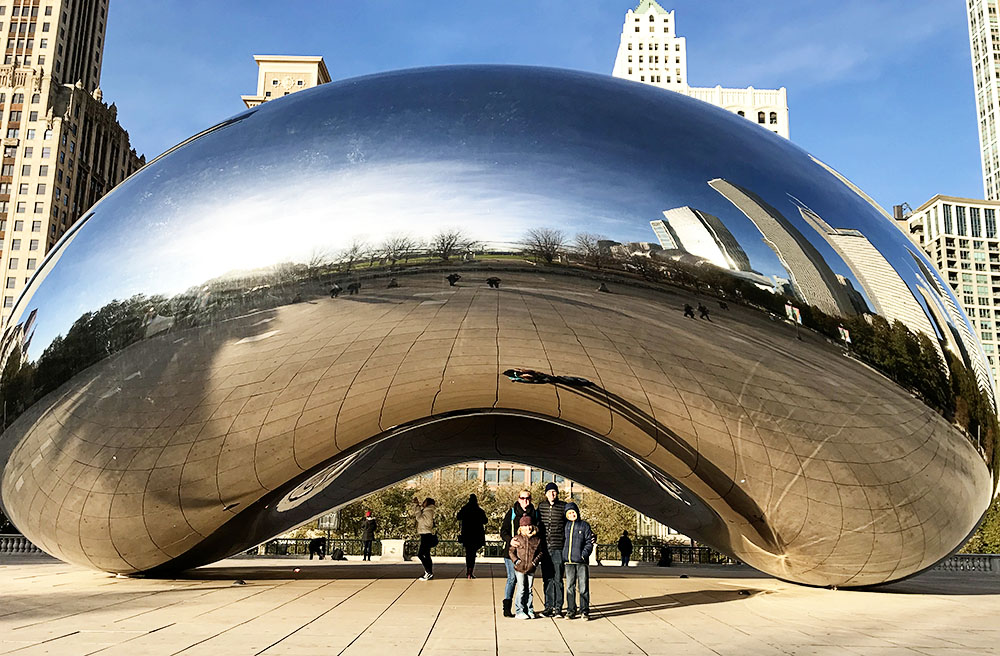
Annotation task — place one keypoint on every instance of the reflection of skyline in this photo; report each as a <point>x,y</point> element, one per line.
<point>701,234</point>
<point>812,279</point>
<point>890,296</point>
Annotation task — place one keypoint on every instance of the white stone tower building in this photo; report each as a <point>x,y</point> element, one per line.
<point>651,52</point>
<point>984,42</point>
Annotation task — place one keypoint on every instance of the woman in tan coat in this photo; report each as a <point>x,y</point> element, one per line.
<point>424,514</point>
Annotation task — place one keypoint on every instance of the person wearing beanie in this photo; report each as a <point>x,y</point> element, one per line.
<point>553,515</point>
<point>472,520</point>
<point>368,529</point>
<point>508,529</point>
<point>525,553</point>
<point>578,543</point>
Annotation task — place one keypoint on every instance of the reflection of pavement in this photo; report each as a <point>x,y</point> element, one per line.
<point>221,415</point>
<point>372,609</point>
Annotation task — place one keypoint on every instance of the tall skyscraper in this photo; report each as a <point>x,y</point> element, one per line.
<point>984,42</point>
<point>812,279</point>
<point>280,75</point>
<point>701,234</point>
<point>63,147</point>
<point>651,52</point>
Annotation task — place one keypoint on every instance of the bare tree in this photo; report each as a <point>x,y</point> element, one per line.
<point>544,243</point>
<point>397,247</point>
<point>588,246</point>
<point>354,253</point>
<point>319,259</point>
<point>448,242</point>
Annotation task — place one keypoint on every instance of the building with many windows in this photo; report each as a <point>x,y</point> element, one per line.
<point>63,147</point>
<point>280,75</point>
<point>960,237</point>
<point>984,43</point>
<point>651,52</point>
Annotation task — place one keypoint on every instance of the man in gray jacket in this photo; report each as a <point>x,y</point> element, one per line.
<point>552,512</point>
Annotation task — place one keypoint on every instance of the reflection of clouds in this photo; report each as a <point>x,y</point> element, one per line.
<point>293,216</point>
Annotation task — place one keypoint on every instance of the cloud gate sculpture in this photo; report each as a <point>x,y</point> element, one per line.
<point>656,298</point>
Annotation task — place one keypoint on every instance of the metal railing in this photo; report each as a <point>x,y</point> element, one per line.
<point>985,563</point>
<point>17,544</point>
<point>300,547</point>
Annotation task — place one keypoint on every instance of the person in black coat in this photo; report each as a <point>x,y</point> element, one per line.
<point>552,512</point>
<point>625,548</point>
<point>472,521</point>
<point>368,535</point>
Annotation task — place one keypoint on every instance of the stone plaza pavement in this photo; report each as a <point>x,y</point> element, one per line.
<point>47,607</point>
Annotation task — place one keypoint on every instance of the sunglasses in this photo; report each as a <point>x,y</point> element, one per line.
<point>525,498</point>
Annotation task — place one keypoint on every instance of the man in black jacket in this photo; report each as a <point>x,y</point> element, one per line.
<point>508,529</point>
<point>553,515</point>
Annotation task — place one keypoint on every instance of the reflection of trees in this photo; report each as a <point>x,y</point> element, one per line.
<point>544,243</point>
<point>589,247</point>
<point>449,242</point>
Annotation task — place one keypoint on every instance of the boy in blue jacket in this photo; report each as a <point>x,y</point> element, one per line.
<point>578,545</point>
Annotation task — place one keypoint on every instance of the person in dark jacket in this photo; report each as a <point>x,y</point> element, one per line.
<point>525,552</point>
<point>553,515</point>
<point>578,543</point>
<point>625,548</point>
<point>368,535</point>
<point>508,528</point>
<point>472,520</point>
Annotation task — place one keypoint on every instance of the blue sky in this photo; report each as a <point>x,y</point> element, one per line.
<point>879,89</point>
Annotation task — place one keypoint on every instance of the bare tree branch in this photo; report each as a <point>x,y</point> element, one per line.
<point>449,242</point>
<point>544,243</point>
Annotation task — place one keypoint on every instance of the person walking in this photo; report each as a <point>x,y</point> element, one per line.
<point>368,529</point>
<point>317,543</point>
<point>552,512</point>
<point>424,515</point>
<point>625,548</point>
<point>525,552</point>
<point>508,529</point>
<point>578,543</point>
<point>472,520</point>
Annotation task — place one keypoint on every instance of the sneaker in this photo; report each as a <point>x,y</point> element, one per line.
<point>520,616</point>
<point>531,614</point>
<point>548,612</point>
<point>586,617</point>
<point>426,577</point>
<point>570,616</point>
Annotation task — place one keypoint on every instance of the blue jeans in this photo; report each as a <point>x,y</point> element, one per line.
<point>508,592</point>
<point>552,575</point>
<point>578,575</point>
<point>522,597</point>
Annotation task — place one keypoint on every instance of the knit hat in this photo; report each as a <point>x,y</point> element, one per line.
<point>572,506</point>
<point>368,513</point>
<point>551,486</point>
<point>525,521</point>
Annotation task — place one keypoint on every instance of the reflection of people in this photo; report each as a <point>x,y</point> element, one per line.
<point>537,377</point>
<point>552,512</point>
<point>688,310</point>
<point>625,548</point>
<point>603,287</point>
<point>368,535</point>
<point>578,543</point>
<point>508,528</point>
<point>452,278</point>
<point>493,282</point>
<point>703,311</point>
<point>723,305</point>
<point>424,514</point>
<point>472,520</point>
<point>353,288</point>
<point>335,290</point>
<point>393,283</point>
<point>317,543</point>
<point>525,552</point>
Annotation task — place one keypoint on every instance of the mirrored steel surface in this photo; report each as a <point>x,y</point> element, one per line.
<point>257,327</point>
